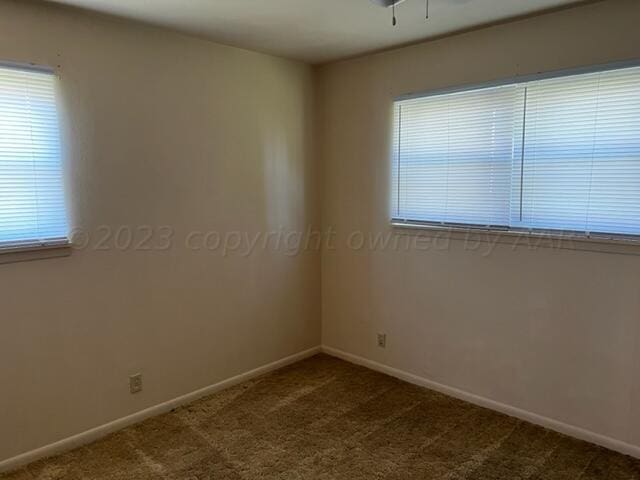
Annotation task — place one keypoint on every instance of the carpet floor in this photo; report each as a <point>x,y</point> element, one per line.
<point>323,418</point>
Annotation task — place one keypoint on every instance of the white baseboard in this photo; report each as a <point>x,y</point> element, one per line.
<point>551,424</point>
<point>99,432</point>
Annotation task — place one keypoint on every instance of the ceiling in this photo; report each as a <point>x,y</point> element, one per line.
<point>316,31</point>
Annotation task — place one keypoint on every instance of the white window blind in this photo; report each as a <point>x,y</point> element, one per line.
<point>32,207</point>
<point>554,154</point>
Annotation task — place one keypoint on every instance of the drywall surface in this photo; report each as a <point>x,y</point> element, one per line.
<point>169,138</point>
<point>552,331</point>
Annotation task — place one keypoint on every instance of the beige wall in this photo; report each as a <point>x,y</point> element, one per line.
<point>161,129</point>
<point>553,332</point>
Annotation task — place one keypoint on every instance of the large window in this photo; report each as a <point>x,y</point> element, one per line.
<point>557,154</point>
<point>32,207</point>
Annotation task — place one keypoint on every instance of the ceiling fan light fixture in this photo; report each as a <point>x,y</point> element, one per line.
<point>387,3</point>
<point>392,4</point>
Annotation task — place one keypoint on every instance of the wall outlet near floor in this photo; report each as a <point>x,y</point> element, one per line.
<point>382,340</point>
<point>135,383</point>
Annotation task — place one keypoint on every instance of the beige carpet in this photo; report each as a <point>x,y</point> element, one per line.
<point>326,419</point>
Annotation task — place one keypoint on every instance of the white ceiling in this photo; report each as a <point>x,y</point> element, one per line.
<point>316,31</point>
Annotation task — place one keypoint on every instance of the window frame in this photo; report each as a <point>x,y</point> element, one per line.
<point>29,250</point>
<point>511,234</point>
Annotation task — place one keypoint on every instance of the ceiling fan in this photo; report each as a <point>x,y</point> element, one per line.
<point>387,3</point>
<point>392,4</point>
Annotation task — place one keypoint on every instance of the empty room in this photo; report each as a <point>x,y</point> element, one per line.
<point>319,239</point>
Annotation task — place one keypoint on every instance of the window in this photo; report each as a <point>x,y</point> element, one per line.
<point>32,208</point>
<point>556,154</point>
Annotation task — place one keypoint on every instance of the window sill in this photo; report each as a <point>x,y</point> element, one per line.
<point>531,240</point>
<point>28,253</point>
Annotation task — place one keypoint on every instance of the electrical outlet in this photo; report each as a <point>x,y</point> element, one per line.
<point>135,383</point>
<point>382,340</point>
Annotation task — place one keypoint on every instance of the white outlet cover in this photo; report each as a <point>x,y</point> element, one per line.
<point>135,383</point>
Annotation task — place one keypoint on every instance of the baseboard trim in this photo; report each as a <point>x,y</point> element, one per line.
<point>551,424</point>
<point>97,433</point>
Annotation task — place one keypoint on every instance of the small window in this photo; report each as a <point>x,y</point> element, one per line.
<point>32,206</point>
<point>557,154</point>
